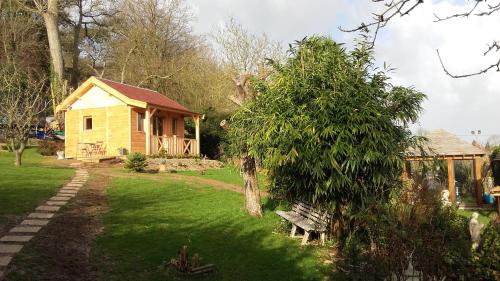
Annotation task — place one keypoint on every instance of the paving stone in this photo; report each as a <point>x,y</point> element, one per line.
<point>16,238</point>
<point>74,185</point>
<point>56,203</point>
<point>40,215</point>
<point>10,248</point>
<point>67,193</point>
<point>35,222</point>
<point>48,208</point>
<point>26,229</point>
<point>60,198</point>
<point>4,261</point>
<point>71,188</point>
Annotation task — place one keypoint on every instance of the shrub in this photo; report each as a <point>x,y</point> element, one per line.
<point>486,260</point>
<point>49,147</point>
<point>387,236</point>
<point>214,138</point>
<point>495,165</point>
<point>136,162</point>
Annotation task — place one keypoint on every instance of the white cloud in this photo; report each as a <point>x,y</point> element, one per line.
<point>409,44</point>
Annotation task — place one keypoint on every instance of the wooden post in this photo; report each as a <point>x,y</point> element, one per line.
<point>406,171</point>
<point>147,128</point>
<point>197,126</point>
<point>477,180</point>
<point>451,180</point>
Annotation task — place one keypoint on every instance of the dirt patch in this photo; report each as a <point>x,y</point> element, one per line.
<point>61,251</point>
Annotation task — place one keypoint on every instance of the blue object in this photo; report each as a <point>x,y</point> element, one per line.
<point>488,198</point>
<point>41,135</point>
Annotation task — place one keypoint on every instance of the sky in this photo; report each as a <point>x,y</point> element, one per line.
<point>408,44</point>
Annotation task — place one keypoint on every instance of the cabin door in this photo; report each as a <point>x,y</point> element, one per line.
<point>157,134</point>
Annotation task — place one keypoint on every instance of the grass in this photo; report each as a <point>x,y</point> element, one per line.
<point>485,216</point>
<point>23,188</point>
<point>148,222</point>
<point>228,174</point>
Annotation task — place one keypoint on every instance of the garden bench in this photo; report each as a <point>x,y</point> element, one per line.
<point>308,218</point>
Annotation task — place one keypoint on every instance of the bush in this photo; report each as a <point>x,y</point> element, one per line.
<point>495,165</point>
<point>136,162</point>
<point>486,261</point>
<point>49,147</point>
<point>213,137</point>
<point>387,236</point>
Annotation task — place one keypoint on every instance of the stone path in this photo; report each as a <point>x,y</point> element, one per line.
<point>14,241</point>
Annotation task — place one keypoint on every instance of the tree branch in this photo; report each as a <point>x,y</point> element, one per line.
<point>482,71</point>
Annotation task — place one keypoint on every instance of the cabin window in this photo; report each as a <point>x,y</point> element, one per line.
<point>174,126</point>
<point>87,123</point>
<point>140,121</point>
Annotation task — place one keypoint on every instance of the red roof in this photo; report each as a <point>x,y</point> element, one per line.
<point>145,95</point>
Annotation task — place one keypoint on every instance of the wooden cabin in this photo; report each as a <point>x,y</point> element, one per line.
<point>104,118</point>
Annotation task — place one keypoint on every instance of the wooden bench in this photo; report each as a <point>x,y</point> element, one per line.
<point>305,216</point>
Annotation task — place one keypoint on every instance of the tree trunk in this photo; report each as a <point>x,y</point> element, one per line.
<point>76,51</point>
<point>252,192</point>
<point>50,17</point>
<point>19,154</point>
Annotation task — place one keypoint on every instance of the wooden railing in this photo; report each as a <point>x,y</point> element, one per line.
<point>174,145</point>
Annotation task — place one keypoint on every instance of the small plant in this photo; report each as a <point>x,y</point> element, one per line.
<point>163,165</point>
<point>50,147</point>
<point>122,151</point>
<point>136,162</point>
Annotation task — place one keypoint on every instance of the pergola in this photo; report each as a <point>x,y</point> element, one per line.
<point>443,145</point>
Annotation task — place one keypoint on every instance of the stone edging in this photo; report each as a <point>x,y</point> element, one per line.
<point>14,241</point>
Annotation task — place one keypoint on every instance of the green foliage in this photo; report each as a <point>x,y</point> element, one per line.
<point>486,263</point>
<point>49,147</point>
<point>387,235</point>
<point>136,162</point>
<point>213,137</point>
<point>328,126</point>
<point>495,165</point>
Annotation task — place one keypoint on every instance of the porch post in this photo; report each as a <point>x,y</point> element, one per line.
<point>197,126</point>
<point>147,130</point>
<point>451,180</point>
<point>477,180</point>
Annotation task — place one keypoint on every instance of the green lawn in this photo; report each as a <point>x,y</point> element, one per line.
<point>149,221</point>
<point>485,216</point>
<point>228,174</point>
<point>22,189</point>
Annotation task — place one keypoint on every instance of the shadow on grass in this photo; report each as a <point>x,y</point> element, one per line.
<point>148,225</point>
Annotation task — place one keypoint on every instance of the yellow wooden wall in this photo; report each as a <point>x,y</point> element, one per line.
<point>109,125</point>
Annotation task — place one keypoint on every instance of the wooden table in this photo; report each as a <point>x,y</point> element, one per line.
<point>88,147</point>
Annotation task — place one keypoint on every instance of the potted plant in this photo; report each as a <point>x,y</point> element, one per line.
<point>163,165</point>
<point>122,151</point>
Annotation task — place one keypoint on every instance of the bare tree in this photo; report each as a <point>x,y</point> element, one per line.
<point>86,18</point>
<point>20,38</point>
<point>399,8</point>
<point>243,54</point>
<point>49,10</point>
<point>21,102</point>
